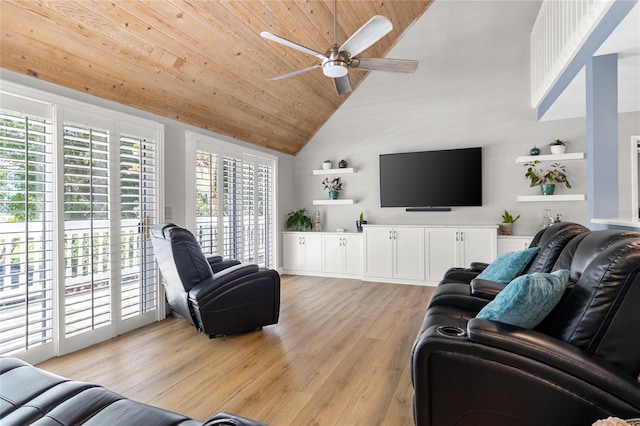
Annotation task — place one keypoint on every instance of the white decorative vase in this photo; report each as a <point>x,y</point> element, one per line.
<point>558,149</point>
<point>326,165</point>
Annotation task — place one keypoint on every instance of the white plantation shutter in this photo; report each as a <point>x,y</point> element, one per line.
<point>234,201</point>
<point>26,227</point>
<point>138,200</point>
<point>87,229</point>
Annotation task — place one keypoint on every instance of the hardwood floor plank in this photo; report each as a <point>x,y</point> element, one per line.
<point>339,355</point>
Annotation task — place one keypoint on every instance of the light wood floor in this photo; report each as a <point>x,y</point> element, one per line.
<point>339,355</point>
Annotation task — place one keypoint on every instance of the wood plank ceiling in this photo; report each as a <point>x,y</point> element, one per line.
<point>199,62</point>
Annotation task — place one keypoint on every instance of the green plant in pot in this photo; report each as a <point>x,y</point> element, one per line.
<point>558,146</point>
<point>333,186</point>
<point>360,222</point>
<point>298,220</point>
<point>546,178</point>
<point>506,227</point>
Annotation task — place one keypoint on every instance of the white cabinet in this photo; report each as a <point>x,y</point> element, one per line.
<point>513,243</point>
<point>394,252</point>
<point>342,254</point>
<point>302,252</point>
<point>448,247</point>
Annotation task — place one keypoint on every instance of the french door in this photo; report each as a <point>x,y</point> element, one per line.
<point>78,194</point>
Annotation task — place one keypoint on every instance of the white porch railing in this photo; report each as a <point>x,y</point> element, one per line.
<point>560,30</point>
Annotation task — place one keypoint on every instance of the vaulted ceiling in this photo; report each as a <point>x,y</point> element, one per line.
<point>199,62</point>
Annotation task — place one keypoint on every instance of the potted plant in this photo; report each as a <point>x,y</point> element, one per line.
<point>298,220</point>
<point>360,222</point>
<point>333,186</point>
<point>506,227</point>
<point>326,165</point>
<point>546,178</point>
<point>558,146</point>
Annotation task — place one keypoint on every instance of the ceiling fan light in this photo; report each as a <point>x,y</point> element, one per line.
<point>334,69</point>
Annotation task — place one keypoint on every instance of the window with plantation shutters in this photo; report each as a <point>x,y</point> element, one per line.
<point>26,231</point>
<point>234,201</point>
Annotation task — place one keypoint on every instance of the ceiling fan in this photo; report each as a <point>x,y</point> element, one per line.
<point>336,61</point>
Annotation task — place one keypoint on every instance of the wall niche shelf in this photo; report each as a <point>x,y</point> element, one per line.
<point>335,171</point>
<point>333,202</point>
<point>565,197</point>
<point>551,157</point>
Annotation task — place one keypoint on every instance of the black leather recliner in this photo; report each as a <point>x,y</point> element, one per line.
<point>236,299</point>
<point>582,363</point>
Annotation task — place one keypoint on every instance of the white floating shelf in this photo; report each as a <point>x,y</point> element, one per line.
<point>328,202</point>
<point>551,157</point>
<point>567,197</point>
<point>334,171</point>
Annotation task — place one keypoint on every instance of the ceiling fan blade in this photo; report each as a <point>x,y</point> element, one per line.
<point>373,30</point>
<point>384,64</point>
<point>268,36</point>
<point>342,84</point>
<point>292,73</point>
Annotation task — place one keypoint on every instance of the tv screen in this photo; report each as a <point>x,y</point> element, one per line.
<point>444,178</point>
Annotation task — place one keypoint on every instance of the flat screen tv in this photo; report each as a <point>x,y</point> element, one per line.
<point>429,179</point>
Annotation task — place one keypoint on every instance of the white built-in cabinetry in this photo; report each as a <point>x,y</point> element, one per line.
<point>342,253</point>
<point>411,254</point>
<point>513,243</point>
<point>336,254</point>
<point>302,252</point>
<point>394,252</point>
<point>457,247</point>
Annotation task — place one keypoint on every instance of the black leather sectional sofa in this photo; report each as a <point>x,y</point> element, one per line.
<point>580,364</point>
<point>29,395</point>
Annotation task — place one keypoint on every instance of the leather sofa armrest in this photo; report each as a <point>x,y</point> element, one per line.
<point>556,353</point>
<point>214,259</point>
<point>486,289</point>
<point>221,265</point>
<point>227,419</point>
<point>222,278</point>
<point>478,266</point>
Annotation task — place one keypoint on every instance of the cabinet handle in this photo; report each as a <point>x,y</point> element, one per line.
<point>391,235</point>
<point>395,235</point>
<point>457,236</point>
<point>462,236</point>
<point>302,240</point>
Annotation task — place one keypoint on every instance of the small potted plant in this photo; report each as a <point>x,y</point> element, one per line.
<point>506,227</point>
<point>546,178</point>
<point>326,165</point>
<point>333,186</point>
<point>298,220</point>
<point>360,222</point>
<point>558,146</point>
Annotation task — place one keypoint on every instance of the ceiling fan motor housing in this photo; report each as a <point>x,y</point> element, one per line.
<point>336,64</point>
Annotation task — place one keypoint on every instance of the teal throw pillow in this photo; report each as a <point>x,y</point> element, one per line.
<point>508,266</point>
<point>527,300</point>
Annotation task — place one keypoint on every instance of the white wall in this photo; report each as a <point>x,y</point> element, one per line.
<point>471,89</point>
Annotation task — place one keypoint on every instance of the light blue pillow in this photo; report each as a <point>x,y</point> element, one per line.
<point>527,300</point>
<point>508,266</point>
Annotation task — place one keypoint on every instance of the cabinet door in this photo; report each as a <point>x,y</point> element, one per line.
<point>292,259</point>
<point>408,253</point>
<point>377,251</point>
<point>312,246</point>
<point>352,248</point>
<point>505,245</point>
<point>477,245</point>
<point>332,253</point>
<point>442,251</point>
